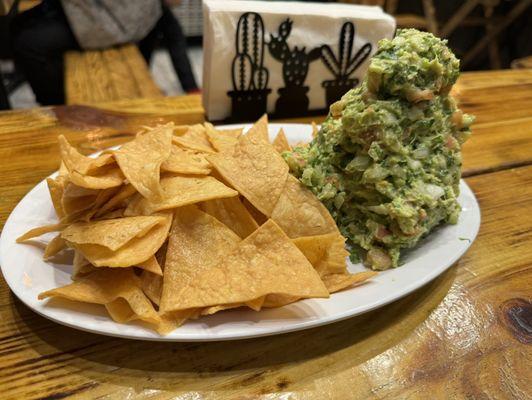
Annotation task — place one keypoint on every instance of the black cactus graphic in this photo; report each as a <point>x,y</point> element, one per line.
<point>343,66</point>
<point>250,77</point>
<point>293,98</point>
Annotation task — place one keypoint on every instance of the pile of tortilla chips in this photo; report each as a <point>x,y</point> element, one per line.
<point>180,223</point>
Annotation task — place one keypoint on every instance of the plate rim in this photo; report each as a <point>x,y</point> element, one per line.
<point>261,332</point>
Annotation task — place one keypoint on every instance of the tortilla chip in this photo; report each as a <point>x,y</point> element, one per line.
<point>161,254</point>
<point>256,170</point>
<point>326,253</point>
<point>180,130</point>
<point>135,251</point>
<point>111,233</point>
<point>102,197</point>
<point>119,213</point>
<point>118,290</point>
<point>197,242</point>
<point>172,320</point>
<point>214,309</point>
<point>233,214</point>
<point>314,247</point>
<point>279,300</point>
<point>56,187</point>
<point>170,125</point>
<point>54,246</point>
<point>220,178</point>
<point>152,286</point>
<point>183,161</point>
<point>75,161</point>
<point>81,266</point>
<point>84,204</point>
<point>63,170</point>
<point>108,178</point>
<point>299,212</point>
<point>221,142</point>
<point>179,191</point>
<point>133,306</point>
<point>117,200</point>
<point>280,143</point>
<point>76,199</point>
<point>76,204</point>
<point>140,160</point>
<point>41,230</point>
<point>259,130</point>
<point>255,305</point>
<point>259,217</point>
<point>195,139</point>
<point>234,133</point>
<point>265,262</point>
<point>151,265</point>
<point>72,191</point>
<point>337,282</point>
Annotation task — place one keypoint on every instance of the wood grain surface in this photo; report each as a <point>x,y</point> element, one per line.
<point>96,76</point>
<point>466,335</point>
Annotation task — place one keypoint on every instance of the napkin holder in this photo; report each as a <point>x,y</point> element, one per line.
<point>285,58</point>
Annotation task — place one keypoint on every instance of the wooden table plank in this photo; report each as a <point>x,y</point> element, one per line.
<point>498,146</point>
<point>99,79</point>
<point>458,337</point>
<point>502,104</point>
<point>140,71</point>
<point>96,76</point>
<point>120,74</point>
<point>493,79</point>
<point>77,85</point>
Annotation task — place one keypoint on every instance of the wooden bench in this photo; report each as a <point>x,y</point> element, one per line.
<point>522,63</point>
<point>97,76</point>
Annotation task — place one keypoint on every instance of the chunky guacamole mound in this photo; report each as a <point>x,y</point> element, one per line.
<point>387,160</point>
<point>414,65</point>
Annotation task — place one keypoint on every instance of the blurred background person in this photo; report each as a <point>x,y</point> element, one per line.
<point>41,35</point>
<point>168,32</point>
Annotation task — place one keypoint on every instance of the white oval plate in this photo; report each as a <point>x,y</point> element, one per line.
<point>27,275</point>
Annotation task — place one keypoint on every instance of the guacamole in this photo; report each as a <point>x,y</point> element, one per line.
<point>386,162</point>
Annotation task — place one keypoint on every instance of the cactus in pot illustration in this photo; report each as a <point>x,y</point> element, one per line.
<point>343,65</point>
<point>293,98</point>
<point>249,76</point>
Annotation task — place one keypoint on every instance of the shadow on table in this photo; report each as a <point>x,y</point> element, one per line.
<point>178,366</point>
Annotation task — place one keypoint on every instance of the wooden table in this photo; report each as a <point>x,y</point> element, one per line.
<point>466,335</point>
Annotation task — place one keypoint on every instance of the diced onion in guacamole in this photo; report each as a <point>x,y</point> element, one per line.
<point>386,162</point>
